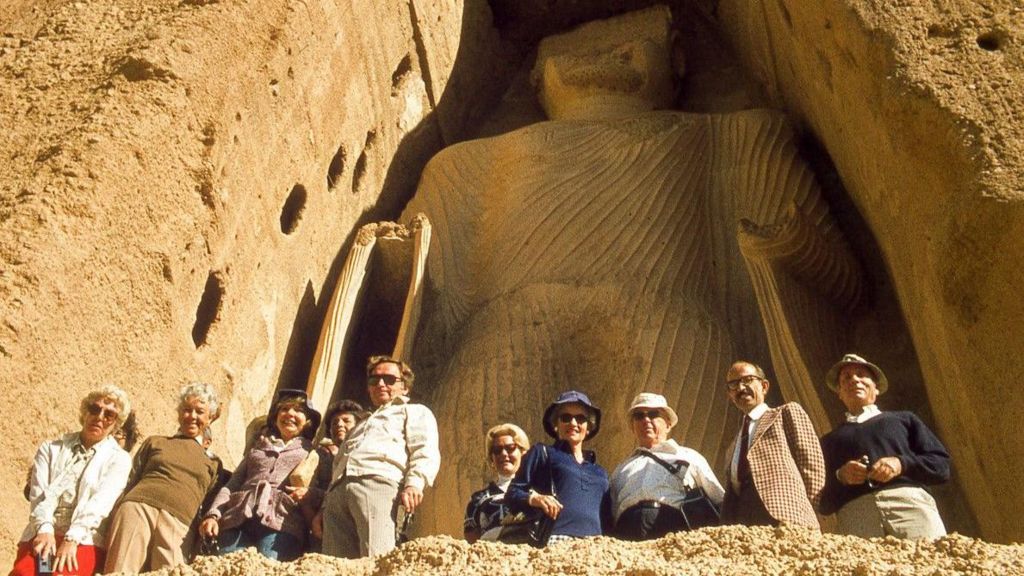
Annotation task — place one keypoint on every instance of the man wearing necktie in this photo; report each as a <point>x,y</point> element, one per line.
<point>776,471</point>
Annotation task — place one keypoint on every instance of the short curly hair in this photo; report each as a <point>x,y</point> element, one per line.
<point>201,390</point>
<point>345,406</point>
<point>112,394</point>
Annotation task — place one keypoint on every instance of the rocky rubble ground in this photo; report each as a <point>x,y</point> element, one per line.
<point>724,550</point>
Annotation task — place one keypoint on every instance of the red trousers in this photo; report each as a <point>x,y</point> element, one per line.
<point>90,559</point>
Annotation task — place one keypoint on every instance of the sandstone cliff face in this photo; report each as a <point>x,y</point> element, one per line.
<point>179,180</point>
<point>916,103</point>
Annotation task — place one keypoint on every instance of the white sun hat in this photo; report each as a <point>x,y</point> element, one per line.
<point>652,400</point>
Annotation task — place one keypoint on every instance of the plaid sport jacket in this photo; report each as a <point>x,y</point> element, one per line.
<point>786,464</point>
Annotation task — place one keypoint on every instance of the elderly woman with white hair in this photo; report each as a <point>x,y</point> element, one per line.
<point>505,445</point>
<point>171,476</point>
<point>75,481</point>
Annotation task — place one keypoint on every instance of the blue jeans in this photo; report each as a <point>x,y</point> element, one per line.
<point>270,543</point>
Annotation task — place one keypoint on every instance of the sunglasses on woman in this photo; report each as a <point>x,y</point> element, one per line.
<point>105,414</point>
<point>507,449</point>
<point>578,418</point>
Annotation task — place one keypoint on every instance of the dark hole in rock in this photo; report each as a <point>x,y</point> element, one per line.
<point>991,41</point>
<point>208,311</point>
<point>336,168</point>
<point>360,169</point>
<point>403,68</point>
<point>291,213</point>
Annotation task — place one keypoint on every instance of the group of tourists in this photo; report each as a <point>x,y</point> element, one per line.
<point>96,509</point>
<point>871,470</point>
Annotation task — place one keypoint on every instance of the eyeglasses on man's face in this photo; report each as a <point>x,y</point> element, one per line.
<point>578,418</point>
<point>385,379</point>
<point>748,380</point>
<point>639,415</point>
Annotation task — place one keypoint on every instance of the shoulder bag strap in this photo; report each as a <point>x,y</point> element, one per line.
<point>547,464</point>
<point>673,469</point>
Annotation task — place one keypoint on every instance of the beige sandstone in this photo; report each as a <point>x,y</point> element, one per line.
<point>727,550</point>
<point>181,181</point>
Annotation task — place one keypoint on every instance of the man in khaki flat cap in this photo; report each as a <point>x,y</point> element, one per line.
<point>661,487</point>
<point>878,462</point>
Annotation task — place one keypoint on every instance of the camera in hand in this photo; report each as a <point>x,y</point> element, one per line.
<point>44,563</point>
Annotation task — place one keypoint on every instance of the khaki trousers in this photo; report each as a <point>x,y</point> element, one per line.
<point>139,532</point>
<point>905,512</point>
<point>359,517</point>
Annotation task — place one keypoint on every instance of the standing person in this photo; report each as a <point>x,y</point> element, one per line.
<point>340,419</point>
<point>776,471</point>
<point>385,462</point>
<point>649,488</point>
<point>171,475</point>
<point>75,481</point>
<point>260,505</point>
<point>579,505</point>
<point>505,445</point>
<point>879,462</point>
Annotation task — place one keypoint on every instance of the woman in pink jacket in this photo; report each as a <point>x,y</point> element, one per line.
<point>258,506</point>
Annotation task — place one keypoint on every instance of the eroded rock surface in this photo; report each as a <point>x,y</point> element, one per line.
<point>179,182</point>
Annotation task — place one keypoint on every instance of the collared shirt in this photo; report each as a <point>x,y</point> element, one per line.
<point>640,478</point>
<point>869,412</point>
<point>486,508</point>
<point>754,415</point>
<point>96,487</point>
<point>581,487</point>
<point>66,484</point>
<point>398,442</point>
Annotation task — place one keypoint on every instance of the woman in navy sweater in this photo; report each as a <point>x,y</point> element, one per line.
<point>580,503</point>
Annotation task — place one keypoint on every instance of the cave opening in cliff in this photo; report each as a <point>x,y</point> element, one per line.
<point>336,168</point>
<point>291,212</point>
<point>208,311</point>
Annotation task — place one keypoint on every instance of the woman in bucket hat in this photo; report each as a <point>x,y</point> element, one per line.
<point>562,479</point>
<point>259,506</point>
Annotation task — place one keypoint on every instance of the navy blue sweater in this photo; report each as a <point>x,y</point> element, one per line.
<point>923,457</point>
<point>582,488</point>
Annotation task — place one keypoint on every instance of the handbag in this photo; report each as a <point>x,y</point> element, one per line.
<point>698,510</point>
<point>532,527</point>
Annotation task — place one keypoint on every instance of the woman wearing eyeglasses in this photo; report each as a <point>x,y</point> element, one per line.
<point>171,477</point>
<point>75,481</point>
<point>564,480</point>
<point>505,445</point>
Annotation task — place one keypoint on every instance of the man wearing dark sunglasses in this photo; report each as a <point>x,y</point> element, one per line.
<point>384,463</point>
<point>776,471</point>
<point>661,487</point>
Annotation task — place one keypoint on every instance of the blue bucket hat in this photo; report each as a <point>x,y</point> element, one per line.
<point>573,396</point>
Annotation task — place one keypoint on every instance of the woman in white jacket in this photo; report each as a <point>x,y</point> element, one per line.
<point>75,481</point>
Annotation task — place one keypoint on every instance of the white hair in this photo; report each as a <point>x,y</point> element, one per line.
<point>201,390</point>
